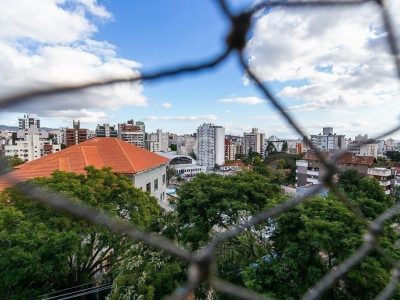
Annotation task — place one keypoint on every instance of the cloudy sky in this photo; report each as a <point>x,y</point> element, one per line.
<point>330,67</point>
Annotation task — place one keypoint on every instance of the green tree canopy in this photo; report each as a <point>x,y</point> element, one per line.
<point>284,147</point>
<point>213,200</point>
<point>314,237</point>
<point>309,241</point>
<point>43,250</point>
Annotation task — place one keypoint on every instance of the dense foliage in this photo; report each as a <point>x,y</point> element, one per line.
<point>281,257</point>
<point>393,155</point>
<point>43,250</point>
<point>212,201</point>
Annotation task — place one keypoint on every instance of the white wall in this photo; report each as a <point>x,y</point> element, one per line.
<point>140,180</point>
<point>220,145</point>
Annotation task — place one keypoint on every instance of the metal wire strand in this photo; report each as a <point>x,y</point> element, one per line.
<point>201,270</point>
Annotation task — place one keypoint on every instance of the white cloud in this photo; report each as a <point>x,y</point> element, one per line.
<point>335,57</point>
<point>84,115</point>
<point>201,118</point>
<point>94,8</point>
<point>167,105</point>
<point>48,42</point>
<point>242,100</point>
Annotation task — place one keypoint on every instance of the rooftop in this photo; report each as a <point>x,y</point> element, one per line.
<point>347,158</point>
<point>120,156</point>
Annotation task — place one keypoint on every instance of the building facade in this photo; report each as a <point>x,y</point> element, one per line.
<point>328,141</point>
<point>359,149</point>
<point>310,170</point>
<point>230,150</point>
<point>27,121</point>
<point>31,147</point>
<point>210,145</point>
<point>157,141</point>
<point>75,135</point>
<point>132,133</point>
<point>184,166</point>
<point>105,130</point>
<point>385,177</point>
<point>30,142</point>
<point>254,141</point>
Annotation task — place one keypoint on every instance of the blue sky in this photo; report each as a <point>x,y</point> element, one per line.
<point>327,74</point>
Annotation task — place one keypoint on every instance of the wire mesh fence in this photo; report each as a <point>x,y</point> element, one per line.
<point>201,262</point>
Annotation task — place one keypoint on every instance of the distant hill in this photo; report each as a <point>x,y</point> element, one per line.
<point>15,128</point>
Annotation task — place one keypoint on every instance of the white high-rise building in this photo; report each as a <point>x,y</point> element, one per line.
<point>31,147</point>
<point>30,142</point>
<point>27,121</point>
<point>157,141</point>
<point>210,145</point>
<point>187,145</point>
<point>328,141</point>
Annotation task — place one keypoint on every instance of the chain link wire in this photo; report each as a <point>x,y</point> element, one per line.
<point>201,262</point>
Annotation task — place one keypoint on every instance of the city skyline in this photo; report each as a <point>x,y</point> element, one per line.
<point>339,83</point>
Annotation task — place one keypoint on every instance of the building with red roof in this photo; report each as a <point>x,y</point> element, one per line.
<point>147,170</point>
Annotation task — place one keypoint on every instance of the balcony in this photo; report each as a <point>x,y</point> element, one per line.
<point>313,173</point>
<point>385,183</point>
<point>313,180</point>
<point>302,163</point>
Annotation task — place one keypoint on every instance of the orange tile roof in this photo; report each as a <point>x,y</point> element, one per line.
<point>347,158</point>
<point>121,156</point>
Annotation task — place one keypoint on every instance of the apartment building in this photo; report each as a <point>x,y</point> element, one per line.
<point>385,177</point>
<point>30,142</point>
<point>31,147</point>
<point>76,134</point>
<point>28,121</point>
<point>132,133</point>
<point>106,130</point>
<point>310,169</point>
<point>254,141</point>
<point>370,149</point>
<point>230,150</point>
<point>186,145</point>
<point>157,141</point>
<point>211,145</point>
<point>328,141</point>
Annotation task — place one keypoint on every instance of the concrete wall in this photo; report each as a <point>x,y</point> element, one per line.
<point>140,180</point>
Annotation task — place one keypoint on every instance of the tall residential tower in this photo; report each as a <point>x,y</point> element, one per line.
<point>210,145</point>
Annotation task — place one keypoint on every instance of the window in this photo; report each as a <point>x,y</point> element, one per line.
<point>156,184</point>
<point>163,179</point>
<point>148,187</point>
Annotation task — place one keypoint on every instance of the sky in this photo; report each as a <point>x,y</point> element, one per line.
<point>329,67</point>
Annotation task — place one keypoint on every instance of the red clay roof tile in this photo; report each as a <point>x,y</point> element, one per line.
<point>120,156</point>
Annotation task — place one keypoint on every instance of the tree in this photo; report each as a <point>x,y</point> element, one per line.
<point>42,250</point>
<point>315,237</point>
<point>364,192</point>
<point>284,147</point>
<point>393,155</point>
<point>257,161</point>
<point>270,148</point>
<point>221,201</point>
<point>193,155</point>
<point>171,172</point>
<point>14,161</point>
<point>173,147</point>
<point>309,241</point>
<point>144,273</point>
